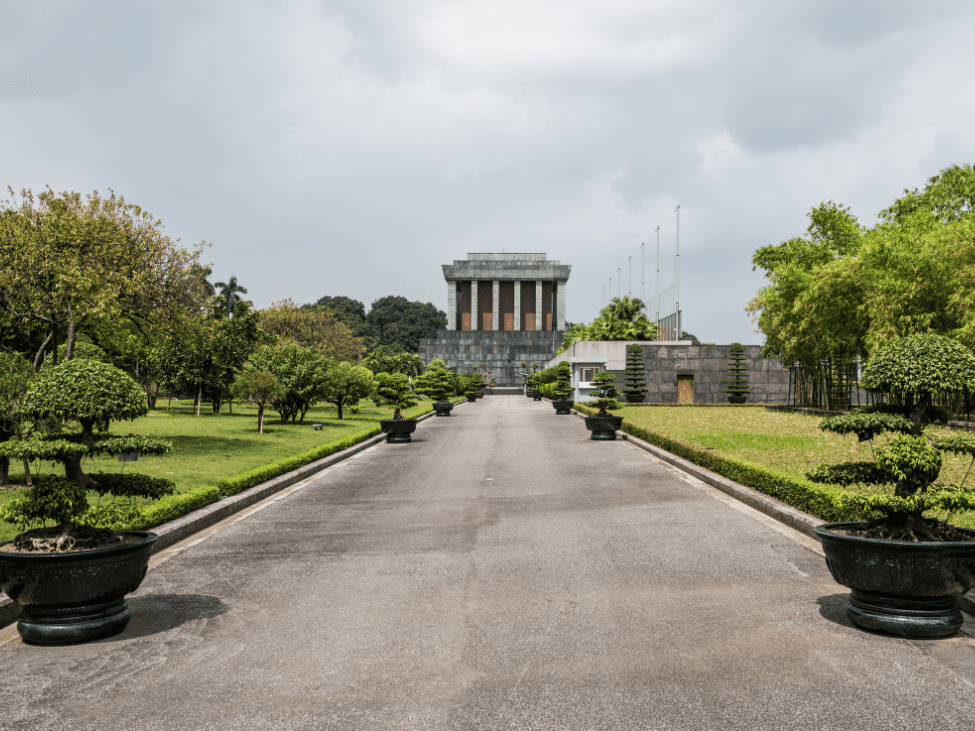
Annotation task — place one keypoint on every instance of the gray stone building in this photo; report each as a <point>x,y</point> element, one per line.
<point>502,310</point>
<point>678,371</point>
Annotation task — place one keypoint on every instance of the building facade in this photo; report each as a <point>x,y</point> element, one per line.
<point>502,310</point>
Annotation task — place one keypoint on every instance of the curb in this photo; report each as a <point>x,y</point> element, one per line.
<point>185,526</point>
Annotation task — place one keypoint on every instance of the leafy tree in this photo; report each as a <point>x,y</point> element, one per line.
<point>301,373</point>
<point>15,376</point>
<point>622,319</point>
<point>350,312</point>
<point>393,359</point>
<point>346,383</point>
<point>311,328</point>
<point>260,387</point>
<point>635,378</point>
<point>949,196</point>
<point>397,321</point>
<point>395,390</point>
<point>563,380</point>
<point>68,264</point>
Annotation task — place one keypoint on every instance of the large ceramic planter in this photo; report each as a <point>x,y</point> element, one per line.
<point>443,408</point>
<point>902,587</point>
<point>536,395</point>
<point>737,399</point>
<point>479,394</point>
<point>635,398</point>
<point>471,398</point>
<point>74,597</point>
<point>603,428</point>
<point>563,407</point>
<point>398,432</point>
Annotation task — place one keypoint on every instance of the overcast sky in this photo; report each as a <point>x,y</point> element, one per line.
<point>352,147</point>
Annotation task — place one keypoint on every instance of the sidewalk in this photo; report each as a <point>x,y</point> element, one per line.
<point>502,571</point>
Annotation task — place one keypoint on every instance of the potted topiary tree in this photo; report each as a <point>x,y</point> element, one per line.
<point>475,385</point>
<point>437,382</point>
<point>635,378</point>
<point>603,426</point>
<point>563,388</point>
<point>72,578</point>
<point>395,389</point>
<point>905,570</point>
<point>737,375</point>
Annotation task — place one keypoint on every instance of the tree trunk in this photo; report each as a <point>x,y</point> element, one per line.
<point>69,346</point>
<point>73,471</point>
<point>260,418</point>
<point>27,480</point>
<point>199,399</point>
<point>339,404</point>
<point>40,351</point>
<point>4,471</point>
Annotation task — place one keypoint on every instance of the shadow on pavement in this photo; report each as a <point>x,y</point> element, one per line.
<point>833,608</point>
<point>154,613</point>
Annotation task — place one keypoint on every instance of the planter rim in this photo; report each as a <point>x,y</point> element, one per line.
<point>147,538</point>
<point>825,532</point>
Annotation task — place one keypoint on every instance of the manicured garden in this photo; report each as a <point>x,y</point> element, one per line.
<point>213,447</point>
<point>783,443</point>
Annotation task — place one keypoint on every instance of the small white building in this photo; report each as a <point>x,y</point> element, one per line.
<point>583,369</point>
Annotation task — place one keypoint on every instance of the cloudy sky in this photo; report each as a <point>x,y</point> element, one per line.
<point>352,147</point>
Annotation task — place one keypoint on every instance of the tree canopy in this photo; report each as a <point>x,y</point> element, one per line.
<point>398,321</point>
<point>311,328</point>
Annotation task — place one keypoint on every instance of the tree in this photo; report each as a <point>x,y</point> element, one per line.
<point>437,381</point>
<point>15,376</point>
<point>229,291</point>
<point>311,328</point>
<point>395,390</point>
<point>622,319</point>
<point>68,264</point>
<point>301,373</point>
<point>606,401</point>
<point>92,394</point>
<point>346,383</point>
<point>563,380</point>
<point>737,375</point>
<point>260,387</point>
<point>397,321</point>
<point>393,359</point>
<point>635,378</point>
<point>350,312</point>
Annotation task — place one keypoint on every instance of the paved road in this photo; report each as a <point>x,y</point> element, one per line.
<point>501,572</point>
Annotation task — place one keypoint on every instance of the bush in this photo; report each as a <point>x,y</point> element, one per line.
<point>635,378</point>
<point>737,374</point>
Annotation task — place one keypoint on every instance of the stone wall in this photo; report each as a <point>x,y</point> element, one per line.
<point>663,362</point>
<point>503,351</point>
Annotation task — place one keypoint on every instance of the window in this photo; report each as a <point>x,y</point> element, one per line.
<point>586,374</point>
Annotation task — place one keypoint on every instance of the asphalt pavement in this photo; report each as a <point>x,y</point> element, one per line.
<point>503,571</point>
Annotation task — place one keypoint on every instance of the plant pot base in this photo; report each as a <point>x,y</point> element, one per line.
<point>69,625</point>
<point>398,432</point>
<point>603,436</point>
<point>443,408</point>
<point>913,617</point>
<point>603,428</point>
<point>563,407</point>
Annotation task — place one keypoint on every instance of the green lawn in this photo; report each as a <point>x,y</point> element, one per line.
<point>213,446</point>
<point>789,442</point>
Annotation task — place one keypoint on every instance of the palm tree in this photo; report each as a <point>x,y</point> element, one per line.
<point>229,290</point>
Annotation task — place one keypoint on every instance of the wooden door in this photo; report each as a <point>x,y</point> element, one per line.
<point>685,389</point>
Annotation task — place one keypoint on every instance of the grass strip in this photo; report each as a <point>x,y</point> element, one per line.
<point>821,501</point>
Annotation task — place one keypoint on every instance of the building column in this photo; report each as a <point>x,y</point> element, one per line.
<point>475,325</point>
<point>451,304</point>
<point>560,304</point>
<point>539,325</point>
<point>495,303</point>
<point>517,305</point>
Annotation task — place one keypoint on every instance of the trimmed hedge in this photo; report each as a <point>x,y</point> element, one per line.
<point>823,501</point>
<point>176,506</point>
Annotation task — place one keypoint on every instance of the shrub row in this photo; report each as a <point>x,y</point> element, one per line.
<point>823,501</point>
<point>176,506</point>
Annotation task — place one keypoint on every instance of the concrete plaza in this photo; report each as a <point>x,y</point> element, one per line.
<point>502,571</point>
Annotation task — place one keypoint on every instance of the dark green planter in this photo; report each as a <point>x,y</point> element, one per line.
<point>398,432</point>
<point>443,408</point>
<point>603,428</point>
<point>737,399</point>
<point>479,394</point>
<point>471,397</point>
<point>75,597</point>
<point>563,407</point>
<point>902,587</point>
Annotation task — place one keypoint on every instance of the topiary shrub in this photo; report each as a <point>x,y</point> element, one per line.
<point>437,381</point>
<point>635,378</point>
<point>737,390</point>
<point>395,389</point>
<point>912,369</point>
<point>606,383</point>
<point>562,387</point>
